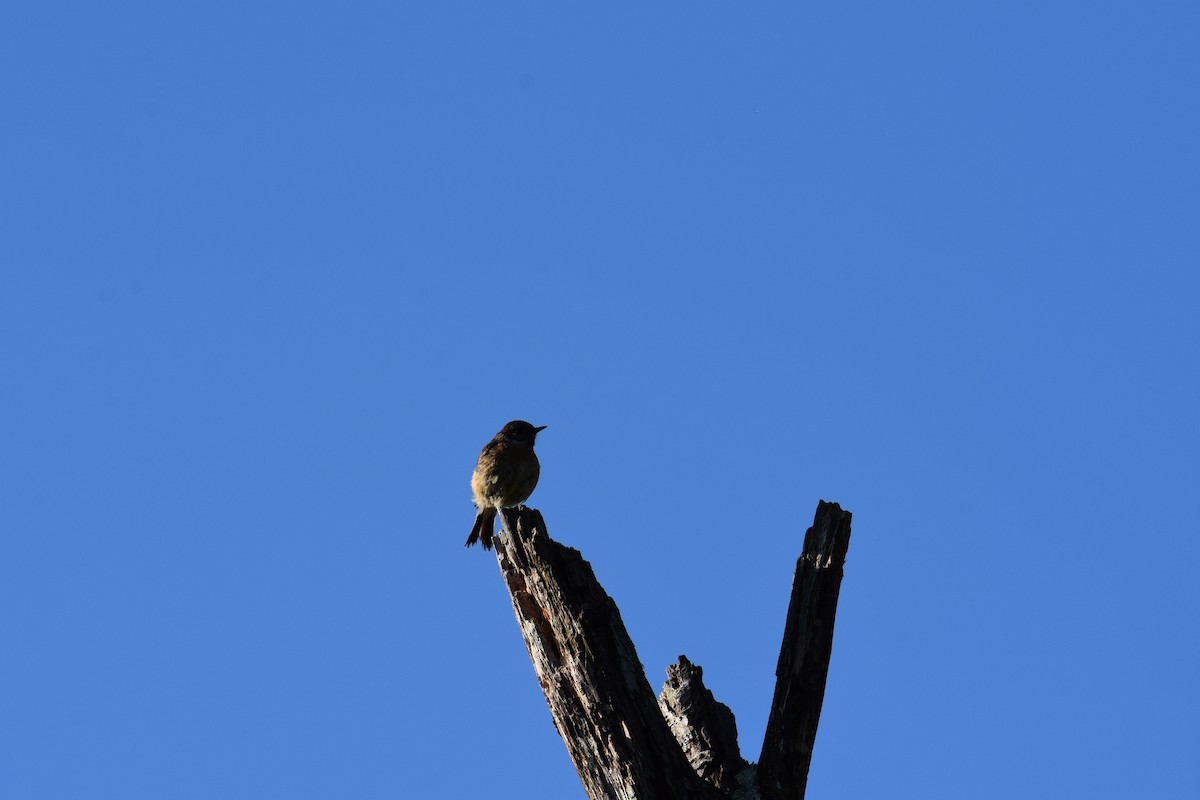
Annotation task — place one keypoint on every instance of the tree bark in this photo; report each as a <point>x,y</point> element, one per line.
<point>704,728</point>
<point>625,744</point>
<point>589,671</point>
<point>804,657</point>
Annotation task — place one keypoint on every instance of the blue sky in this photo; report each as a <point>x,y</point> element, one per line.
<point>271,275</point>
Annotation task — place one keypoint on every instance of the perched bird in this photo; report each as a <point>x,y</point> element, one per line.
<point>505,476</point>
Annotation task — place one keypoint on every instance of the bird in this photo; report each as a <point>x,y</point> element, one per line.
<point>505,476</point>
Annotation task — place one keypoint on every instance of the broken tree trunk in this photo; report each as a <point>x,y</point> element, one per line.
<point>625,744</point>
<point>804,656</point>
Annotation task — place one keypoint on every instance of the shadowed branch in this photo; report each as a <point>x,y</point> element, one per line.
<point>625,744</point>
<point>804,657</point>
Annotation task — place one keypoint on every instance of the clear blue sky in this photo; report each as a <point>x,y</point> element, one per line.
<point>271,274</point>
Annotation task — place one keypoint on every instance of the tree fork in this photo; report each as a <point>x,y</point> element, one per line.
<point>625,743</point>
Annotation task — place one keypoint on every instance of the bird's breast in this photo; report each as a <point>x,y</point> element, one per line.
<point>505,475</point>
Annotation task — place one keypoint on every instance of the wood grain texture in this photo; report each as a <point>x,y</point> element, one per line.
<point>588,669</point>
<point>705,728</point>
<point>625,743</point>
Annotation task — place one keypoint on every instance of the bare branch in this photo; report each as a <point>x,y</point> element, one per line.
<point>705,729</point>
<point>624,744</point>
<point>601,702</point>
<point>804,657</point>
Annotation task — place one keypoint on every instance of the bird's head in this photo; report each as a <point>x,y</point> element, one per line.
<point>519,432</point>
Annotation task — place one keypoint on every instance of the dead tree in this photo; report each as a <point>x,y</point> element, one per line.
<point>627,745</point>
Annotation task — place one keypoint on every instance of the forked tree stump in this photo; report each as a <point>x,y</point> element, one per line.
<point>625,743</point>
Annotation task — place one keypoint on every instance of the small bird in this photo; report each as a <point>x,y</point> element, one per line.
<point>505,476</point>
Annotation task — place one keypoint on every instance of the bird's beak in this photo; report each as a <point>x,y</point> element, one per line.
<point>536,430</point>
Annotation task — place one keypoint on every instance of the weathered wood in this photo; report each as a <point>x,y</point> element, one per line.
<point>588,669</point>
<point>624,744</point>
<point>704,728</point>
<point>804,657</point>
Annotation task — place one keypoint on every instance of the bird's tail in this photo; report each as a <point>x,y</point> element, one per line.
<point>484,527</point>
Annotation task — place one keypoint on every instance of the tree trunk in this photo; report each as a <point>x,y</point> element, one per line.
<point>804,657</point>
<point>625,744</point>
